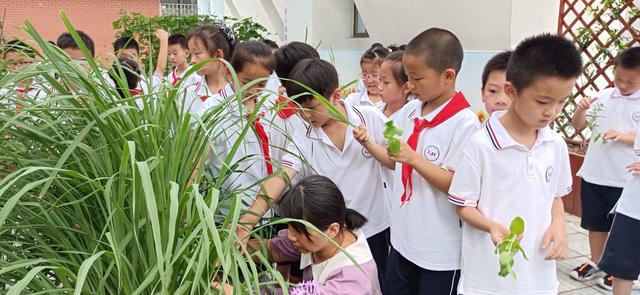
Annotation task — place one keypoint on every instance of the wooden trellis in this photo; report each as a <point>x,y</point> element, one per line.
<point>601,29</point>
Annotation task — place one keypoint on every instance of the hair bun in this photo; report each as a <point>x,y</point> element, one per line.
<point>228,33</point>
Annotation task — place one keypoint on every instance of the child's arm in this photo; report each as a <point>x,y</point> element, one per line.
<point>269,194</point>
<point>579,119</point>
<point>378,151</point>
<point>472,216</point>
<point>435,175</point>
<point>556,233</point>
<point>161,63</point>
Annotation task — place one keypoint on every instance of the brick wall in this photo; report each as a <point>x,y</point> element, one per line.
<point>94,17</point>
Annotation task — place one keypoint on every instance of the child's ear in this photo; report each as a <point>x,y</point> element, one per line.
<point>218,53</point>
<point>405,89</point>
<point>449,75</point>
<point>335,96</point>
<point>333,230</point>
<point>510,90</point>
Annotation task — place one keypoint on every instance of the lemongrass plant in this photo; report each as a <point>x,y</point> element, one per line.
<point>97,195</point>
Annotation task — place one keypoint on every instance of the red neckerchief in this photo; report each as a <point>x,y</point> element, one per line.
<point>263,139</point>
<point>457,104</point>
<point>175,77</point>
<point>23,91</point>
<point>287,110</point>
<point>135,92</point>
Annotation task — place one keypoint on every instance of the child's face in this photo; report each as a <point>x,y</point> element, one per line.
<point>493,95</point>
<point>538,104</point>
<point>129,53</point>
<point>627,80</point>
<point>17,60</point>
<point>74,53</point>
<point>370,76</point>
<point>316,113</point>
<point>314,242</point>
<point>424,82</point>
<point>177,55</point>
<point>199,53</point>
<point>390,90</point>
<point>250,72</point>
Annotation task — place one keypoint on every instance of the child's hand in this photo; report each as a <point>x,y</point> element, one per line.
<point>361,135</point>
<point>634,168</point>
<point>498,232</point>
<point>615,135</point>
<point>555,233</point>
<point>162,34</point>
<point>406,154</point>
<point>585,103</point>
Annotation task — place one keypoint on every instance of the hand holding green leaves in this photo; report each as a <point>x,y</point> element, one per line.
<point>390,132</point>
<point>510,246</point>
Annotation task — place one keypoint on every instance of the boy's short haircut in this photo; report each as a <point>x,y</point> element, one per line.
<point>178,39</point>
<point>316,74</point>
<point>629,58</point>
<point>272,44</point>
<point>544,55</point>
<point>65,40</point>
<point>497,63</point>
<point>440,47</point>
<point>17,45</point>
<point>125,42</point>
<point>290,54</point>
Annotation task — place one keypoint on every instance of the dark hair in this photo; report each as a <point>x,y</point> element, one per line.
<point>497,63</point>
<point>375,55</point>
<point>178,39</point>
<point>215,37</point>
<point>290,54</point>
<point>316,74</point>
<point>272,44</point>
<point>629,58</point>
<point>125,43</point>
<point>18,46</point>
<point>317,200</point>
<point>65,40</point>
<point>131,74</point>
<point>252,51</point>
<point>376,45</point>
<point>543,55</point>
<point>394,48</point>
<point>441,49</point>
<point>395,58</point>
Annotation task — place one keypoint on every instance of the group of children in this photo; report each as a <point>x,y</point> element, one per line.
<point>425,219</point>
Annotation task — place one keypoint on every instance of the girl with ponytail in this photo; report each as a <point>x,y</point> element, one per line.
<point>318,201</point>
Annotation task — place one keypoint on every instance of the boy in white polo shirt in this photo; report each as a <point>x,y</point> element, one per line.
<point>616,114</point>
<point>425,230</point>
<point>621,257</point>
<point>517,166</point>
<point>329,149</point>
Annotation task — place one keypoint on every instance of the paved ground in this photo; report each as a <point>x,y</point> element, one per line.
<point>578,253</point>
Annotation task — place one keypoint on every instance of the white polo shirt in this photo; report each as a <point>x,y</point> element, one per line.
<point>426,230</point>
<point>193,97</point>
<point>362,99</point>
<point>249,157</point>
<point>174,77</point>
<point>629,203</point>
<point>353,170</point>
<point>604,164</point>
<point>503,179</point>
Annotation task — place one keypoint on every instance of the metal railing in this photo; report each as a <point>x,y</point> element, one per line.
<point>178,8</point>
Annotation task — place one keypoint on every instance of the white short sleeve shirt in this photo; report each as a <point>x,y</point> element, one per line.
<point>353,169</point>
<point>362,99</point>
<point>426,230</point>
<point>604,163</point>
<point>174,77</point>
<point>629,203</point>
<point>503,179</point>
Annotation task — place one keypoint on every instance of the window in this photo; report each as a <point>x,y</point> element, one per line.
<point>359,30</point>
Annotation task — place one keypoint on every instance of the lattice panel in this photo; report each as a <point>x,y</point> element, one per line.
<point>601,29</point>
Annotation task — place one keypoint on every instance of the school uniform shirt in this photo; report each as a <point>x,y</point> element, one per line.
<point>629,202</point>
<point>362,99</point>
<point>174,77</point>
<point>604,163</point>
<point>338,274</point>
<point>387,175</point>
<point>32,92</point>
<point>426,230</point>
<point>271,90</point>
<point>260,150</point>
<point>194,96</point>
<point>504,179</point>
<point>353,169</point>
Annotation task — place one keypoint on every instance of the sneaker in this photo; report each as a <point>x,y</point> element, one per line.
<point>606,282</point>
<point>585,272</point>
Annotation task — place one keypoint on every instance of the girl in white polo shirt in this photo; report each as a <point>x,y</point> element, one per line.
<point>370,75</point>
<point>615,113</point>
